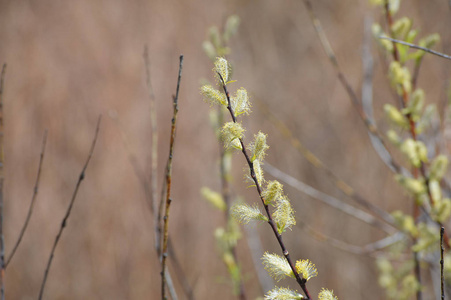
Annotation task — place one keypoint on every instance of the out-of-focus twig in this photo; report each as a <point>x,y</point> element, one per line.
<point>354,249</point>
<point>370,125</point>
<point>69,209</point>
<point>317,163</point>
<point>168,185</point>
<point>33,200</point>
<point>329,200</point>
<point>416,47</point>
<point>256,252</point>
<point>2,178</point>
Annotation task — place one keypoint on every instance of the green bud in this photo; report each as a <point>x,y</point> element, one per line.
<point>394,138</point>
<point>231,134</point>
<point>436,191</point>
<point>231,27</point>
<point>438,167</point>
<point>395,116</point>
<point>214,198</point>
<point>214,36</point>
<point>258,147</point>
<point>223,68</point>
<point>400,78</point>
<point>401,27</point>
<point>415,105</point>
<point>209,49</point>
<point>441,210</point>
<point>378,32</point>
<point>240,102</point>
<point>414,186</point>
<point>213,95</point>
<point>394,6</point>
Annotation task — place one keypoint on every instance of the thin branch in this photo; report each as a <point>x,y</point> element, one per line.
<point>416,47</point>
<point>317,163</point>
<point>370,125</point>
<point>69,209</point>
<point>2,178</point>
<point>33,200</point>
<point>354,249</point>
<point>329,200</point>
<point>256,252</point>
<point>168,185</point>
<point>442,263</point>
<point>301,281</point>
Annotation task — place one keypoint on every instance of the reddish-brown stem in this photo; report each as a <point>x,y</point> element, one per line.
<point>301,281</point>
<point>168,185</point>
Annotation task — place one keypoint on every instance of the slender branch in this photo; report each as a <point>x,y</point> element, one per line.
<point>329,200</point>
<point>33,200</point>
<point>301,281</point>
<point>442,263</point>
<point>345,188</point>
<point>439,54</point>
<point>168,185</point>
<point>354,249</point>
<point>256,252</point>
<point>69,209</point>
<point>2,178</point>
<point>370,124</point>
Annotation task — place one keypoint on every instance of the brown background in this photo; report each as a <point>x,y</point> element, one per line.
<point>69,61</point>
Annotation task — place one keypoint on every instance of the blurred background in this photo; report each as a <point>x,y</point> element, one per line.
<point>69,61</point>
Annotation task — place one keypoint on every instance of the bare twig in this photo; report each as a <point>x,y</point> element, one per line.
<point>69,209</point>
<point>416,47</point>
<point>317,163</point>
<point>354,249</point>
<point>2,178</point>
<point>301,281</point>
<point>168,185</point>
<point>370,125</point>
<point>442,263</point>
<point>256,252</point>
<point>33,200</point>
<point>329,200</point>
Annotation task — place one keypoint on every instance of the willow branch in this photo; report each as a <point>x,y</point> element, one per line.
<point>301,281</point>
<point>33,200</point>
<point>439,54</point>
<point>168,185</point>
<point>345,188</point>
<point>69,209</point>
<point>329,200</point>
<point>370,124</point>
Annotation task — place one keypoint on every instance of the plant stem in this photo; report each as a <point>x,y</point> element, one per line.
<point>33,200</point>
<point>168,185</point>
<point>69,209</point>
<point>301,281</point>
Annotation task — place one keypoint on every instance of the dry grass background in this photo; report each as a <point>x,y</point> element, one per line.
<point>69,61</point>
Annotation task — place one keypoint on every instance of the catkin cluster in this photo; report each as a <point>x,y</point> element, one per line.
<point>278,209</point>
